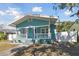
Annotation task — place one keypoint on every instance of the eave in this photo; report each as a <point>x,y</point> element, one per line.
<point>14,23</point>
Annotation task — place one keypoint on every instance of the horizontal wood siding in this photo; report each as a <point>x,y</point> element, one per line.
<point>33,22</point>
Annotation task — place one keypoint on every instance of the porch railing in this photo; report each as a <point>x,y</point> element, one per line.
<point>42,36</point>
<point>37,36</point>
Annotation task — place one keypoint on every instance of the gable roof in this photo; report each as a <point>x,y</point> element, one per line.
<point>75,26</point>
<point>14,23</point>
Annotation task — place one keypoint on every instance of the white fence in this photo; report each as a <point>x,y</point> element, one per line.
<point>11,36</point>
<point>67,36</point>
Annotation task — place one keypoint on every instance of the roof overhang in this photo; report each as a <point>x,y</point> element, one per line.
<point>14,23</point>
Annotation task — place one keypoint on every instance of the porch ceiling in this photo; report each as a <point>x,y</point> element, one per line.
<point>52,19</point>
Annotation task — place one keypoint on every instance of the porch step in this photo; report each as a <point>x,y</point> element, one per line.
<point>28,42</point>
<point>23,40</point>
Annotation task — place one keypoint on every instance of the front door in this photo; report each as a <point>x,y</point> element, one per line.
<point>30,33</point>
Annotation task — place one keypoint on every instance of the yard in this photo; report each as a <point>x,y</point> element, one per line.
<point>56,49</point>
<point>5,45</point>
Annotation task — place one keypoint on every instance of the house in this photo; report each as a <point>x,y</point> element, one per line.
<point>75,27</point>
<point>65,31</point>
<point>35,28</point>
<point>8,32</point>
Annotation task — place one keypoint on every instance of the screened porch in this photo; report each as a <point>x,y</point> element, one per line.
<point>31,32</point>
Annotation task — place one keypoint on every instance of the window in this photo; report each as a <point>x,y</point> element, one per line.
<point>44,30</point>
<point>37,30</point>
<point>23,31</point>
<point>41,30</point>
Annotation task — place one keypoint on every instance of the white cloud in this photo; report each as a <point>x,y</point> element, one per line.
<point>37,9</point>
<point>67,12</point>
<point>2,13</point>
<point>14,12</point>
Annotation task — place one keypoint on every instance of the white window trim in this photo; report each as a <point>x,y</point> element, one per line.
<point>43,29</point>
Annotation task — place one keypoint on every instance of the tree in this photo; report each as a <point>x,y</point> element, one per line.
<point>69,7</point>
<point>66,5</point>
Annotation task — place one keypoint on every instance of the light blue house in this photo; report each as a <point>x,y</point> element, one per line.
<point>35,28</point>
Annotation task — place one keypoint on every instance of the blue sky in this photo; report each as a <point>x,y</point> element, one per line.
<point>10,11</point>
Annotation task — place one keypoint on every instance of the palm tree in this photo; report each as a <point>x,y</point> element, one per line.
<point>69,7</point>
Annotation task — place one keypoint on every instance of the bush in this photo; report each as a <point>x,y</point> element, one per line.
<point>3,36</point>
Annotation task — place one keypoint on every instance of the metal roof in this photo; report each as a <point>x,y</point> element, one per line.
<point>7,29</point>
<point>14,23</point>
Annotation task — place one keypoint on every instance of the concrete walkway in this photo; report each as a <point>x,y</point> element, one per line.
<point>73,51</point>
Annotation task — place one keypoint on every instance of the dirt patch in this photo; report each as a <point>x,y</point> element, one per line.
<point>5,45</point>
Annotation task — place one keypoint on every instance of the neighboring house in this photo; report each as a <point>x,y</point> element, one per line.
<point>8,32</point>
<point>35,28</point>
<point>75,27</point>
<point>70,34</point>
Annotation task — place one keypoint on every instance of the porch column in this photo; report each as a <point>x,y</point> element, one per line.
<point>26,33</point>
<point>49,34</point>
<point>34,35</point>
<point>17,32</point>
<point>34,32</point>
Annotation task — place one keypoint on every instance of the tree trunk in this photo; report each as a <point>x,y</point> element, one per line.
<point>77,37</point>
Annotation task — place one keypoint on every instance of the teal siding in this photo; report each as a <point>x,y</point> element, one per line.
<point>52,28</point>
<point>33,22</point>
<point>30,33</point>
<point>36,22</point>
